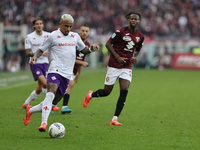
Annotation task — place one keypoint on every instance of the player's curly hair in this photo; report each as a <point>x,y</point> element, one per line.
<point>130,13</point>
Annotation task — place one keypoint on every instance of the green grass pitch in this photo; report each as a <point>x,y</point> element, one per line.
<point>161,113</point>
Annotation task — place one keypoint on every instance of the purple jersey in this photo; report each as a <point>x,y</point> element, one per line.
<point>125,43</point>
<point>80,56</point>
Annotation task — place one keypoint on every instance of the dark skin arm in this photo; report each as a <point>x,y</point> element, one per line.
<point>135,58</point>
<point>110,48</point>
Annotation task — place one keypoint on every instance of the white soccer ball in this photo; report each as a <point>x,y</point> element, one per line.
<point>57,130</point>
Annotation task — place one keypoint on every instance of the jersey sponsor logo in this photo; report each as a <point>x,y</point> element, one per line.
<point>45,36</point>
<point>34,38</point>
<point>129,46</point>
<point>36,44</point>
<point>126,38</point>
<point>137,39</point>
<point>66,44</point>
<point>113,35</point>
<point>58,37</point>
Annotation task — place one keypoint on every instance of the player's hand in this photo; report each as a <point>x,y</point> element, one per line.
<point>122,60</point>
<point>133,60</point>
<point>76,79</point>
<point>94,47</point>
<point>33,60</point>
<point>85,64</point>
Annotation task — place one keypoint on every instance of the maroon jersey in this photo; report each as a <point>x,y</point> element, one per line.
<point>125,43</point>
<point>80,56</point>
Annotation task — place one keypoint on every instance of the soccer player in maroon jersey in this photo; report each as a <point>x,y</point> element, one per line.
<point>124,45</point>
<point>84,33</point>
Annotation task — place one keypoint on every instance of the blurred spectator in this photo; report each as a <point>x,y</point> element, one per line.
<point>6,54</point>
<point>22,54</point>
<point>159,17</point>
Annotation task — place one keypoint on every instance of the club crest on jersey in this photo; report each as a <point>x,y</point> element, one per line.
<point>107,78</point>
<point>137,39</point>
<point>38,72</point>
<point>53,78</point>
<point>126,38</point>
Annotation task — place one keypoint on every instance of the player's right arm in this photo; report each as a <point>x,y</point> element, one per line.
<point>29,53</point>
<point>28,46</point>
<point>35,57</point>
<point>110,48</point>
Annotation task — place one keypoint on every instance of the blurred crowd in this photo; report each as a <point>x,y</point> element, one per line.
<point>160,18</point>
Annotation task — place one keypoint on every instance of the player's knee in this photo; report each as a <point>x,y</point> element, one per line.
<point>44,85</point>
<point>71,85</point>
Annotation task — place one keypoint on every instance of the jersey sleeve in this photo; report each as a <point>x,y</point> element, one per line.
<point>27,43</point>
<point>46,43</point>
<point>80,45</point>
<point>115,36</point>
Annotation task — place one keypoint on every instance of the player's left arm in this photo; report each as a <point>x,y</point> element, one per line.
<point>92,48</point>
<point>46,54</point>
<point>135,57</point>
<point>80,62</point>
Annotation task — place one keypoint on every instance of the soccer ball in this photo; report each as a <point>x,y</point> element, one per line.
<point>57,130</point>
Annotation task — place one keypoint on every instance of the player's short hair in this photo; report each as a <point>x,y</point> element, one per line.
<point>67,17</point>
<point>85,25</point>
<point>36,19</point>
<point>130,13</point>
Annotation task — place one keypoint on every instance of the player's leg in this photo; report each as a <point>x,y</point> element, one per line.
<point>66,97</point>
<point>125,78</point>
<point>110,79</point>
<point>47,104</point>
<point>34,94</point>
<point>43,82</point>
<point>37,74</point>
<point>56,87</point>
<point>124,84</point>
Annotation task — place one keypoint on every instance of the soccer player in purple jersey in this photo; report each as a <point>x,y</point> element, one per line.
<point>84,33</point>
<point>124,45</point>
<point>39,70</point>
<point>62,45</point>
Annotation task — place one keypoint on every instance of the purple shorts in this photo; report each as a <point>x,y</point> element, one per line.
<point>60,81</point>
<point>39,69</point>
